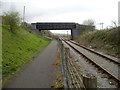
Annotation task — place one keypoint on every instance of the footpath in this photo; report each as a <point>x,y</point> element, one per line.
<point>40,73</point>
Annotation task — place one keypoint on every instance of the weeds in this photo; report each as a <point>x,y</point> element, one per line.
<point>103,40</point>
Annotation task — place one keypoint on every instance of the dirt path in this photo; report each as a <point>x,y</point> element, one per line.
<point>40,73</point>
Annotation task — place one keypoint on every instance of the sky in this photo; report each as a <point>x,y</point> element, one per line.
<point>101,11</point>
<point>119,13</point>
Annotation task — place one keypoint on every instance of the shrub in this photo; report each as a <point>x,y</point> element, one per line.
<point>12,19</point>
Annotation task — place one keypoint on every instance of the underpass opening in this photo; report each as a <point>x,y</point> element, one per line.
<point>62,33</point>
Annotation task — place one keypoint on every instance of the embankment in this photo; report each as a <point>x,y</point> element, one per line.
<point>107,41</point>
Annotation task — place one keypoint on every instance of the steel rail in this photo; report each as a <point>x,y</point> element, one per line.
<point>109,73</point>
<point>107,58</point>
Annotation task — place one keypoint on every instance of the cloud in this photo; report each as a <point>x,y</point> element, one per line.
<point>65,10</point>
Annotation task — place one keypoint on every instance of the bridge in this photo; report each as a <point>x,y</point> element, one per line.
<point>76,29</point>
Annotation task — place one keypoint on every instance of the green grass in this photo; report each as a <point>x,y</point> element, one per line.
<point>17,49</point>
<point>102,40</point>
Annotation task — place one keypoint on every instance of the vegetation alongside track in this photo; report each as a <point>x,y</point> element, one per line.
<point>106,41</point>
<point>18,48</point>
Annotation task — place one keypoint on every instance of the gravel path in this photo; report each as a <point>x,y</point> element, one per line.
<point>40,73</point>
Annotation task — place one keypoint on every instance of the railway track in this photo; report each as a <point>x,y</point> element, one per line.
<point>101,55</point>
<point>102,62</point>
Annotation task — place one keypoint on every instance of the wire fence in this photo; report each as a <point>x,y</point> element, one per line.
<point>72,78</point>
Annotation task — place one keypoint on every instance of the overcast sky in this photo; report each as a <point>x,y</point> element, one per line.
<point>64,10</point>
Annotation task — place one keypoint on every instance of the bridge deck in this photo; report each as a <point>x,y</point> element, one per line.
<point>55,26</point>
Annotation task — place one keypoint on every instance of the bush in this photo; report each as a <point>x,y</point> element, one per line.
<point>103,40</point>
<point>12,19</point>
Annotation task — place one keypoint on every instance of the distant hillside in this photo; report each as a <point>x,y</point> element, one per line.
<point>18,48</point>
<point>107,41</point>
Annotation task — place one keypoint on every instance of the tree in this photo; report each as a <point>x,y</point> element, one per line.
<point>47,32</point>
<point>114,22</point>
<point>12,19</point>
<point>25,25</point>
<point>89,22</point>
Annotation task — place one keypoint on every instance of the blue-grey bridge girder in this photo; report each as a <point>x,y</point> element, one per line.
<point>55,26</point>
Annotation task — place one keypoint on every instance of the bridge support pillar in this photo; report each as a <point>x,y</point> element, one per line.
<point>75,33</point>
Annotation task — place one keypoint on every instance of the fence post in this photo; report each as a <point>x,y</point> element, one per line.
<point>62,51</point>
<point>90,81</point>
<point>67,50</point>
<point>67,60</point>
<point>62,64</point>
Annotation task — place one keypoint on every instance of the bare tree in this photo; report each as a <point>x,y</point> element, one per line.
<point>114,22</point>
<point>89,22</point>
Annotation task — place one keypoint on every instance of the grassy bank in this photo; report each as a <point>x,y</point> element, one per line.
<point>106,41</point>
<point>18,48</point>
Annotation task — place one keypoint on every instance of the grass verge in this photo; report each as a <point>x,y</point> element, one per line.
<point>58,82</point>
<point>18,49</point>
